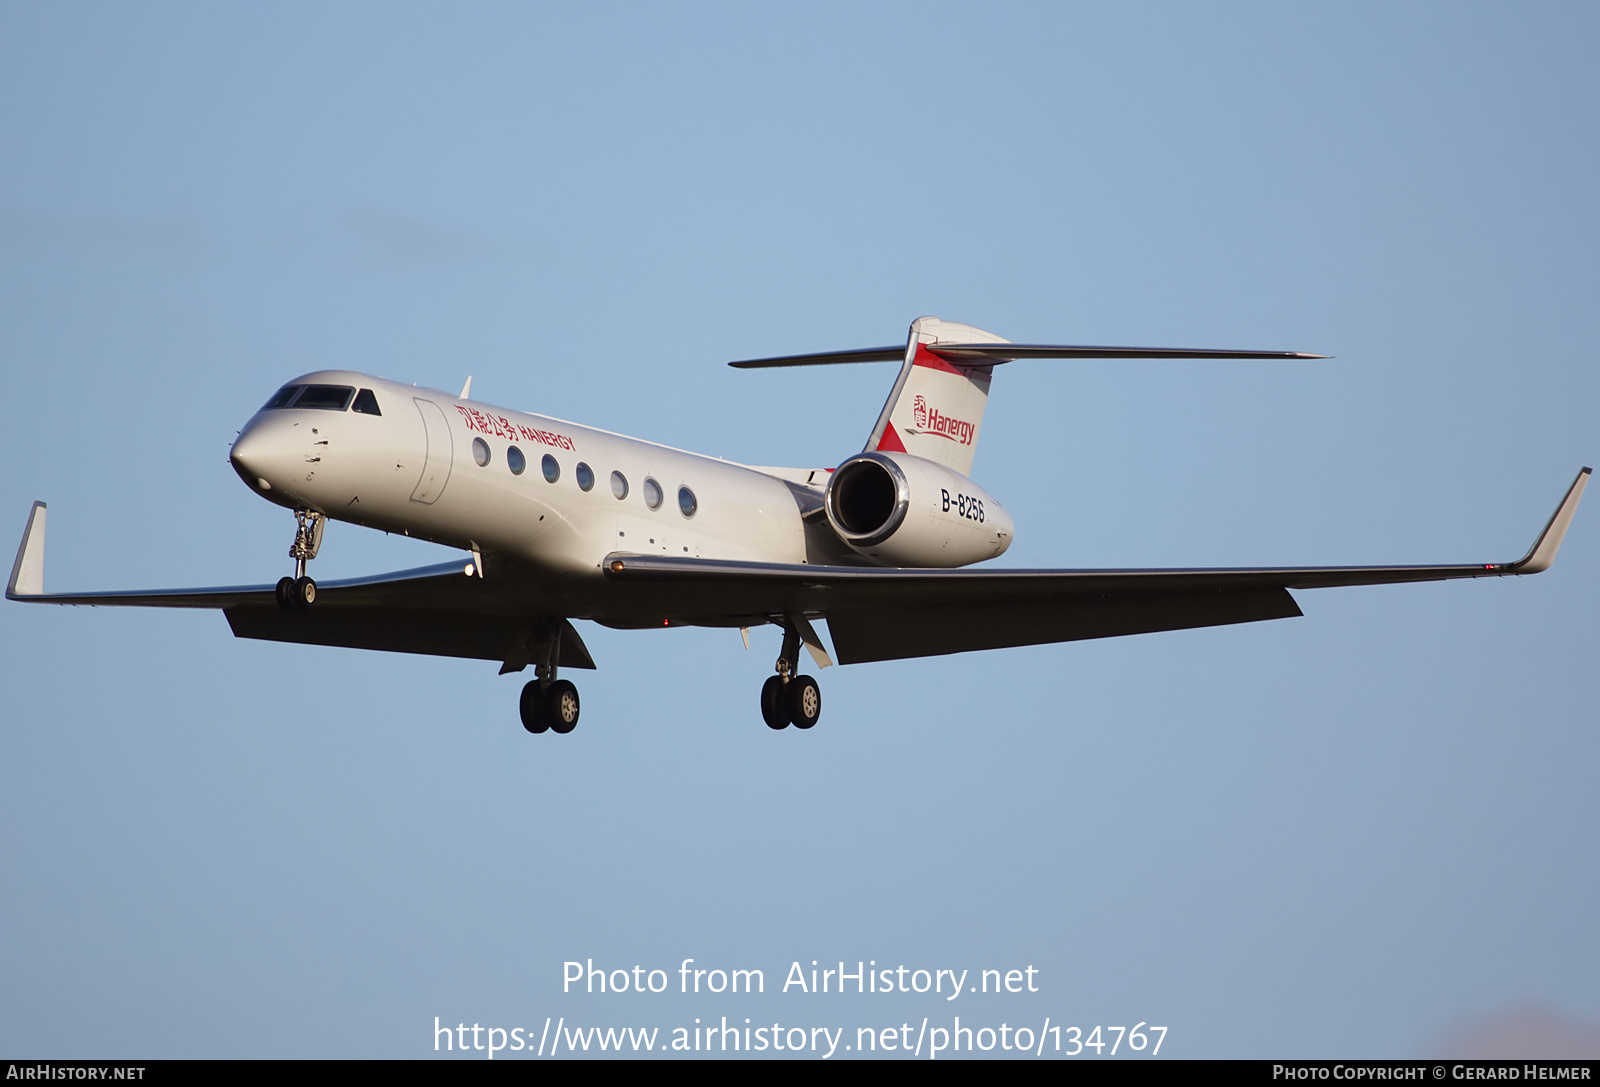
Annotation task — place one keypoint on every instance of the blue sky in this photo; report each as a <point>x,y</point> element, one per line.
<point>1346,834</point>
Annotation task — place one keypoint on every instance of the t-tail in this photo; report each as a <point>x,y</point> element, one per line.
<point>935,409</point>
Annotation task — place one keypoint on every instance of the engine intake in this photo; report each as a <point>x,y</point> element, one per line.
<point>867,499</point>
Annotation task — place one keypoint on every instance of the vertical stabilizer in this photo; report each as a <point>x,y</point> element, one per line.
<point>936,407</point>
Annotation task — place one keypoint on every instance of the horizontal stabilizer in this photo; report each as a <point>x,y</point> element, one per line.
<point>988,353</point>
<point>826,358</point>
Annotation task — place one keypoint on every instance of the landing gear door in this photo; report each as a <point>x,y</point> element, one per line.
<point>441,452</point>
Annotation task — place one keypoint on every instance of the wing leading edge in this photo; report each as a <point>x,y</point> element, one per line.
<point>886,614</point>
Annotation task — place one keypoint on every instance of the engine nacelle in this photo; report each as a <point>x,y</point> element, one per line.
<point>901,510</point>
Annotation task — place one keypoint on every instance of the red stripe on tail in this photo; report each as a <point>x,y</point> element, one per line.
<point>925,357</point>
<point>890,442</point>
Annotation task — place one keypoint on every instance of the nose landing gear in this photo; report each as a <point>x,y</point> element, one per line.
<point>789,699</point>
<point>300,592</point>
<point>296,593</point>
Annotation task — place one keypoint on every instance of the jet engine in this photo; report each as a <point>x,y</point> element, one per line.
<point>901,510</point>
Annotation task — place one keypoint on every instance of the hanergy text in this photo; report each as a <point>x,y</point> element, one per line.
<point>956,430</point>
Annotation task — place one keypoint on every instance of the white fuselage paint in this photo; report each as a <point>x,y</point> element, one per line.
<point>411,470</point>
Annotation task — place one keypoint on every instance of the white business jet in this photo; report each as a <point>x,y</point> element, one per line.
<point>567,522</point>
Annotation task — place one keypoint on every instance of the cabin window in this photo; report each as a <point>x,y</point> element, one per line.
<point>515,460</point>
<point>686,501</point>
<point>552,468</point>
<point>585,476</point>
<point>366,403</point>
<point>652,493</point>
<point>326,397</point>
<point>480,451</point>
<point>619,485</point>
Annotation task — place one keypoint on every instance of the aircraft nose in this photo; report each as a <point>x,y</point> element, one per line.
<point>262,456</point>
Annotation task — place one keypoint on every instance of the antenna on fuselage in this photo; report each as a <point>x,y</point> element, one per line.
<point>466,389</point>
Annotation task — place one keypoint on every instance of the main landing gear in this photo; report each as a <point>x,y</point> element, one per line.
<point>300,592</point>
<point>553,708</point>
<point>786,698</point>
<point>549,704</point>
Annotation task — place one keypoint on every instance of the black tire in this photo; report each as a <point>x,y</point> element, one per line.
<point>774,706</point>
<point>805,701</point>
<point>286,593</point>
<point>305,592</point>
<point>531,706</point>
<point>561,707</point>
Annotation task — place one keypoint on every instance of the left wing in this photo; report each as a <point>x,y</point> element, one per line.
<point>887,614</point>
<point>436,610</point>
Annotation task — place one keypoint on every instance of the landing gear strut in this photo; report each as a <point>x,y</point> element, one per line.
<point>786,698</point>
<point>548,703</point>
<point>300,591</point>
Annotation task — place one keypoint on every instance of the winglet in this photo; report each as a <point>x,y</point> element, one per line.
<point>27,573</point>
<point>1543,551</point>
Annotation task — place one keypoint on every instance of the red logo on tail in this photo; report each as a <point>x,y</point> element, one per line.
<point>933,421</point>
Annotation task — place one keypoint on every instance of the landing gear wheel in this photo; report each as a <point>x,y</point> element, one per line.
<point>804,701</point>
<point>285,593</point>
<point>561,706</point>
<point>305,592</point>
<point>532,708</point>
<point>774,704</point>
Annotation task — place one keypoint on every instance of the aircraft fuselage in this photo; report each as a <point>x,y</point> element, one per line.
<point>518,487</point>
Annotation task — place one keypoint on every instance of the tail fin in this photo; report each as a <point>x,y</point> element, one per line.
<point>936,406</point>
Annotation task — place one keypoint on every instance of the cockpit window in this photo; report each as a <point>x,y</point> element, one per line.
<point>326,397</point>
<point>366,403</point>
<point>283,397</point>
